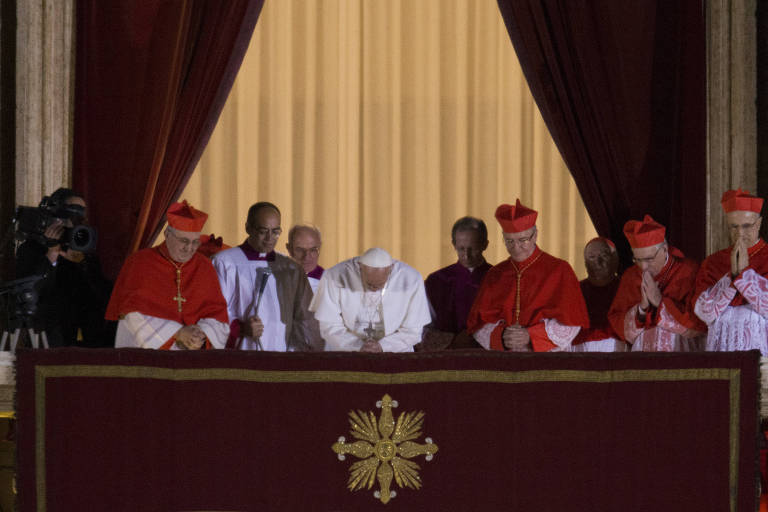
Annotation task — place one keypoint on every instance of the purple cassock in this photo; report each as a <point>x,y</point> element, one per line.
<point>451,292</point>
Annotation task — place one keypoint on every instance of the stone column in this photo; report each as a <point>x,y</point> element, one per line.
<point>731,107</point>
<point>44,97</point>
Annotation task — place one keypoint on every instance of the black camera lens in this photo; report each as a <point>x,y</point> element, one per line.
<point>80,238</point>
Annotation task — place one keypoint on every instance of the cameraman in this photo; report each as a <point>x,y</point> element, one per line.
<point>73,294</point>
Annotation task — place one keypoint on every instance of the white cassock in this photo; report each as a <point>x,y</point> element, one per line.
<point>395,315</point>
<point>743,327</point>
<point>240,278</point>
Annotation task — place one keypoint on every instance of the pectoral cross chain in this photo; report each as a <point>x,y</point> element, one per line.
<point>178,298</point>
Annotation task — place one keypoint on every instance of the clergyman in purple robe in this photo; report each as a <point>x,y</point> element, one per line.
<point>452,289</point>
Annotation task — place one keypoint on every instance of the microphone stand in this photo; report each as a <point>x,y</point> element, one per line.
<point>264,273</point>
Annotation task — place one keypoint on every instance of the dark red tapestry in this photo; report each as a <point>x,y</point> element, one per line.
<point>137,429</point>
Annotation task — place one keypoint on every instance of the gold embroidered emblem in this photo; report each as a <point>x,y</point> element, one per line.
<point>385,447</point>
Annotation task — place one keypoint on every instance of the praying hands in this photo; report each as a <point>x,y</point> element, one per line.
<point>739,257</point>
<point>649,292</point>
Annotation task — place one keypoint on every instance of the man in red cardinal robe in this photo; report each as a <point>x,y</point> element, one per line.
<point>531,301</point>
<point>732,284</point>
<point>168,297</point>
<point>652,308</point>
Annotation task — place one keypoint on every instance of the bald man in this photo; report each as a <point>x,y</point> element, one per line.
<point>599,289</point>
<point>267,293</point>
<point>303,246</point>
<point>371,303</point>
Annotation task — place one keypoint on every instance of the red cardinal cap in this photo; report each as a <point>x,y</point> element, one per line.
<point>741,200</point>
<point>645,233</point>
<point>514,219</point>
<point>184,217</point>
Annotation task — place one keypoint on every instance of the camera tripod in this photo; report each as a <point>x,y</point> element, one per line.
<point>21,331</point>
<point>21,318</point>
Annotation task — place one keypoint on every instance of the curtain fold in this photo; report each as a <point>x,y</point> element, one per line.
<point>622,89</point>
<point>382,123</point>
<point>151,80</point>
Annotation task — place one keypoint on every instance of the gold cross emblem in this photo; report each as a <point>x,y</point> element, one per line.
<point>385,447</point>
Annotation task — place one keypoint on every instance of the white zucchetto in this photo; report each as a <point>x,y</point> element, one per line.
<point>376,257</point>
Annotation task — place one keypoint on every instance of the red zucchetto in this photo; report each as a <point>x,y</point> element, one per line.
<point>645,233</point>
<point>514,219</point>
<point>184,217</point>
<point>741,201</point>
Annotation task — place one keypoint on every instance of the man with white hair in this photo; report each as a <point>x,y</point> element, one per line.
<point>651,310</point>
<point>731,286</point>
<point>303,245</point>
<point>371,303</point>
<point>168,297</point>
<point>530,302</point>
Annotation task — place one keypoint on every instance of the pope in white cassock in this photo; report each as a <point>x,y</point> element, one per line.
<point>371,303</point>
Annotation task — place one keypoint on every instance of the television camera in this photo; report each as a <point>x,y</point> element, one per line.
<point>30,223</point>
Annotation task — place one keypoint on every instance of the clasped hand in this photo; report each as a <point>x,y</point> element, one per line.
<point>516,338</point>
<point>434,340</point>
<point>371,345</point>
<point>190,337</point>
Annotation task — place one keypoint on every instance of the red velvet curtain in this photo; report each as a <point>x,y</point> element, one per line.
<point>622,88</point>
<point>151,80</point>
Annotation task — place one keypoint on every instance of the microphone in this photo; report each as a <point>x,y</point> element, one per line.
<point>264,272</point>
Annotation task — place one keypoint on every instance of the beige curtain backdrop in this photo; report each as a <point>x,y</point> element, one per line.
<point>382,123</point>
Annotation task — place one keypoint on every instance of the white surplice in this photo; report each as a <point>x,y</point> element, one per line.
<point>313,283</point>
<point>743,327</point>
<point>240,279</point>
<point>144,331</point>
<point>397,314</point>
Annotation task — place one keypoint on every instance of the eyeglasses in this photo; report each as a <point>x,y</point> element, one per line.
<point>640,261</point>
<point>186,242</point>
<point>301,252</point>
<point>743,227</point>
<point>520,242</point>
<point>263,232</point>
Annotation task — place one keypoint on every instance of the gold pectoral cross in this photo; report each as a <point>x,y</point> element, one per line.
<point>178,298</point>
